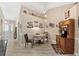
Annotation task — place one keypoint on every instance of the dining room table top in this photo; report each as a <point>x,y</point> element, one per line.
<point>39,35</point>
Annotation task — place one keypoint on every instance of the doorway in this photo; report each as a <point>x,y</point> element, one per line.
<point>7,30</point>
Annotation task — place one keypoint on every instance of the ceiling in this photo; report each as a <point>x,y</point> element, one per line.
<point>11,9</point>
<point>43,6</point>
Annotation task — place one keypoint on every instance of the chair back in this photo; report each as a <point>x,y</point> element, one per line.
<point>46,34</point>
<point>26,37</point>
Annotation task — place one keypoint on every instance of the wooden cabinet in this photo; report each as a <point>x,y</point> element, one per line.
<point>58,41</point>
<point>66,44</point>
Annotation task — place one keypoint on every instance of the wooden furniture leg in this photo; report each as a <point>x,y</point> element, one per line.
<point>25,44</point>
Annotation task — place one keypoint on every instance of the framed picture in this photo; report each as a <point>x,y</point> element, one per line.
<point>36,24</point>
<point>67,14</point>
<point>29,24</point>
<point>40,25</point>
<point>25,11</point>
<point>57,25</point>
<point>52,25</point>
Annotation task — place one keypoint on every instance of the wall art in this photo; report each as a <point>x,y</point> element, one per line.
<point>40,25</point>
<point>67,14</point>
<point>29,24</point>
<point>52,25</point>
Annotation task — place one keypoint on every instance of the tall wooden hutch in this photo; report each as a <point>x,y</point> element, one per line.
<point>65,39</point>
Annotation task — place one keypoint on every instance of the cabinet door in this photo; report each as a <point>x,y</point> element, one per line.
<point>70,46</point>
<point>58,41</point>
<point>62,44</point>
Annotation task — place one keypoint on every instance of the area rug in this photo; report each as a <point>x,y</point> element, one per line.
<point>55,49</point>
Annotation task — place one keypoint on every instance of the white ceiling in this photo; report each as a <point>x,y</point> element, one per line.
<point>11,10</point>
<point>43,6</point>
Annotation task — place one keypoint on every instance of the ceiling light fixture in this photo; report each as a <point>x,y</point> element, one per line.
<point>45,16</point>
<point>5,21</point>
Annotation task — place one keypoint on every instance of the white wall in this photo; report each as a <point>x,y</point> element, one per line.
<point>77,33</point>
<point>56,15</point>
<point>74,15</point>
<point>24,18</point>
<point>1,23</point>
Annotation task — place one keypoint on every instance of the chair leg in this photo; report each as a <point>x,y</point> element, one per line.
<point>25,44</point>
<point>43,41</point>
<point>31,45</point>
<point>39,41</point>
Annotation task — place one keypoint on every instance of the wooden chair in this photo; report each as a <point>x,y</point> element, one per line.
<point>46,35</point>
<point>27,40</point>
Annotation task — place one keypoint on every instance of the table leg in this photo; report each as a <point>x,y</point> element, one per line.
<point>39,42</point>
<point>32,43</point>
<point>25,44</point>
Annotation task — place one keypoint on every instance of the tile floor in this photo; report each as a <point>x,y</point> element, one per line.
<point>14,49</point>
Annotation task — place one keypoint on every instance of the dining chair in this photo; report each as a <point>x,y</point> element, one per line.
<point>27,40</point>
<point>46,35</point>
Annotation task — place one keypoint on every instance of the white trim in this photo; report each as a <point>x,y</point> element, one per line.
<point>77,54</point>
<point>77,38</point>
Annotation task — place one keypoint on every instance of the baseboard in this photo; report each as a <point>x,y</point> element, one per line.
<point>77,38</point>
<point>76,42</point>
<point>76,54</point>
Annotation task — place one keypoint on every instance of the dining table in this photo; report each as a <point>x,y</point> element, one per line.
<point>39,37</point>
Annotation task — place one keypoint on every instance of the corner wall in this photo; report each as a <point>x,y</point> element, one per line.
<point>22,24</point>
<point>58,14</point>
<point>1,23</point>
<point>55,16</point>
